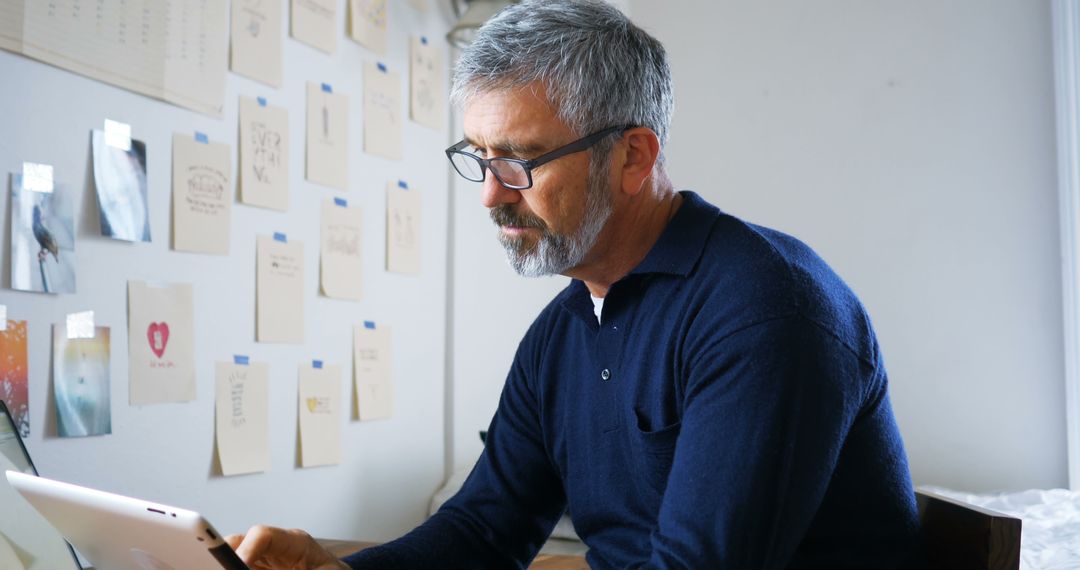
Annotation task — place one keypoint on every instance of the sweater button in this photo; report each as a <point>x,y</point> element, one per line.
<point>605,374</point>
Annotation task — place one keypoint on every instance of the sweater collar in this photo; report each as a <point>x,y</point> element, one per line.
<point>681,244</point>
<point>676,252</point>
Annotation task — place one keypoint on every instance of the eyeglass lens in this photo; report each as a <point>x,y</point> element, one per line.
<point>467,167</point>
<point>510,173</point>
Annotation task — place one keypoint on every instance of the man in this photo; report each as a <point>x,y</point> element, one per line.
<point>705,393</point>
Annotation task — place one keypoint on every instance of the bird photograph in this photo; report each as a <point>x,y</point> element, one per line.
<point>42,239</point>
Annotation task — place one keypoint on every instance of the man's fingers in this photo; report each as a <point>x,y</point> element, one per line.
<point>270,547</point>
<point>234,540</point>
<point>255,544</point>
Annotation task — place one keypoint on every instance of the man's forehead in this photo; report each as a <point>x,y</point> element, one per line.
<point>519,116</point>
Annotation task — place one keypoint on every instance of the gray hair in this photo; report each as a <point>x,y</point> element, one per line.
<point>599,69</point>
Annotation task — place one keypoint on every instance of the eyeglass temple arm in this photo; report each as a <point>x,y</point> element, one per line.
<point>571,148</point>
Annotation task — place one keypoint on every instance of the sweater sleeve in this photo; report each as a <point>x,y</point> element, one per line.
<point>506,508</point>
<point>766,411</point>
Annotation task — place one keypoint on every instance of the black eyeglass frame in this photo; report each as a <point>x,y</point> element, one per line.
<point>579,145</point>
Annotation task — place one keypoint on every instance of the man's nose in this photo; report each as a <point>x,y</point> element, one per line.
<point>494,193</point>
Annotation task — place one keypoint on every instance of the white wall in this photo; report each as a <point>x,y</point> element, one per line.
<point>165,452</point>
<point>912,144</point>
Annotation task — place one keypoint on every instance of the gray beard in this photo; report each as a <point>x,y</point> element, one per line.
<point>556,253</point>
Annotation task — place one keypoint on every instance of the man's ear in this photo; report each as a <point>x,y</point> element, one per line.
<point>642,151</point>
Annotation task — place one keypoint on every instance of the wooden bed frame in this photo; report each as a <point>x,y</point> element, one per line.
<point>961,536</point>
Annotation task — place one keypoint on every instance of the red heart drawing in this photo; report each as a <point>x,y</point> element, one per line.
<point>158,335</point>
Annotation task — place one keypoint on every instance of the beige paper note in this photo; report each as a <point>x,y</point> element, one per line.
<point>242,419</point>
<point>427,87</point>
<point>256,40</point>
<point>279,291</point>
<point>419,5</point>
<point>372,381</point>
<point>161,343</point>
<point>320,415</point>
<point>175,50</point>
<point>368,24</point>
<point>382,111</point>
<point>202,195</point>
<point>340,267</point>
<point>313,22</point>
<point>327,137</point>
<point>195,46</point>
<point>264,155</point>
<point>402,229</point>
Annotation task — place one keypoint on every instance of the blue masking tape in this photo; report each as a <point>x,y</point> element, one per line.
<point>316,364</point>
<point>326,88</point>
<point>341,202</point>
<point>401,184</point>
<point>240,359</point>
<point>423,40</point>
<point>201,137</point>
<point>261,100</point>
<point>382,66</point>
<point>369,325</point>
<point>278,236</point>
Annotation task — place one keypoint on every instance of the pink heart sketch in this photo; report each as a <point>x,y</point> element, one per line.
<point>158,335</point>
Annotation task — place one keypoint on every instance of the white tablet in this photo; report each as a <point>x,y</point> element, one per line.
<point>115,532</point>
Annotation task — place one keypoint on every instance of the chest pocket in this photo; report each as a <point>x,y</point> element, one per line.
<point>655,450</point>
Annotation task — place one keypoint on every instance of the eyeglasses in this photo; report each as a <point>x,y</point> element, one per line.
<point>516,173</point>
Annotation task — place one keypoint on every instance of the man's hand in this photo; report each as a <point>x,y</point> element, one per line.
<point>269,548</point>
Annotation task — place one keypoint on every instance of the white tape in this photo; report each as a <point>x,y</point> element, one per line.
<point>118,135</point>
<point>37,177</point>
<point>3,318</point>
<point>80,325</point>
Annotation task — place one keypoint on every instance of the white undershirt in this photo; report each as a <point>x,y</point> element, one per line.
<point>597,306</point>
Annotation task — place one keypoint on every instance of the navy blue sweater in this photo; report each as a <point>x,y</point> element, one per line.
<point>730,412</point>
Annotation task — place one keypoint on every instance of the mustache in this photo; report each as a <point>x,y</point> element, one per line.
<point>504,215</point>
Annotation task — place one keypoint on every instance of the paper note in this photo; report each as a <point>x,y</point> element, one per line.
<point>279,291</point>
<point>202,196</point>
<point>327,137</point>
<point>14,374</point>
<point>120,180</point>
<point>373,385</point>
<point>419,5</point>
<point>173,50</point>
<point>242,417</point>
<point>161,343</point>
<point>427,87</point>
<point>81,383</point>
<point>264,155</point>
<point>320,415</point>
<point>382,111</point>
<point>42,239</point>
<point>402,230</point>
<point>368,23</point>
<point>340,266</point>
<point>313,22</point>
<point>256,40</point>
<point>195,50</point>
